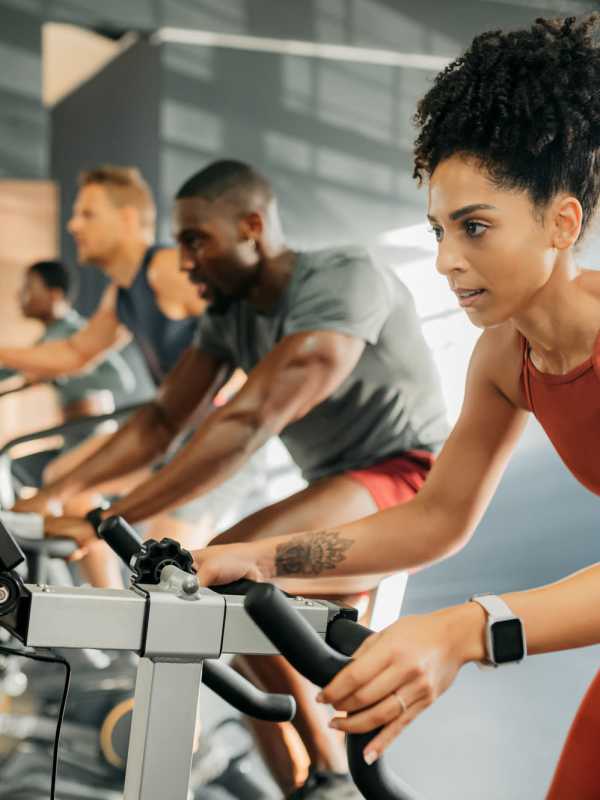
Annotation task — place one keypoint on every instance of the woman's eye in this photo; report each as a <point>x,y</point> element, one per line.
<point>475,229</point>
<point>437,232</point>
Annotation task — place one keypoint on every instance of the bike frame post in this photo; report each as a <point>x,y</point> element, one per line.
<point>162,730</point>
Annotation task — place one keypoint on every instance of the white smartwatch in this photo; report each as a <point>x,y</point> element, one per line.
<point>504,632</point>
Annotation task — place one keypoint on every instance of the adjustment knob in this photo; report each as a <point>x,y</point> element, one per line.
<point>154,556</point>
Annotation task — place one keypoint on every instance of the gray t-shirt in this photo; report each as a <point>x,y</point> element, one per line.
<point>392,400</point>
<point>112,373</point>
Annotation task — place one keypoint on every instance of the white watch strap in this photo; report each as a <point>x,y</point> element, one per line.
<point>494,605</point>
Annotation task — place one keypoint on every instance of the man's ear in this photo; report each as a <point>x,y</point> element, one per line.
<point>58,296</point>
<point>131,216</point>
<point>251,226</point>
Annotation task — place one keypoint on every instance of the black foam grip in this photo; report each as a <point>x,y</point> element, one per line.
<point>316,660</point>
<point>242,586</point>
<point>346,636</point>
<point>292,635</point>
<point>94,517</point>
<point>121,537</point>
<point>375,782</point>
<point>244,696</point>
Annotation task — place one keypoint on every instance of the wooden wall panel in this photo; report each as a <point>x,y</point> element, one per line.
<point>28,232</point>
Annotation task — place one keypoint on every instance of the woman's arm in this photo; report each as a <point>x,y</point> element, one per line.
<point>418,657</point>
<point>437,523</point>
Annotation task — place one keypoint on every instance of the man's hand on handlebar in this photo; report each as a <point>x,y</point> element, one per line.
<point>70,528</point>
<point>398,673</point>
<point>226,563</point>
<point>40,503</point>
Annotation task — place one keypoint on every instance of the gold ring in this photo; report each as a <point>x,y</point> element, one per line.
<point>401,702</point>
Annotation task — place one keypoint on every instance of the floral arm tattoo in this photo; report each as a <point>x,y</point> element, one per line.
<point>310,554</point>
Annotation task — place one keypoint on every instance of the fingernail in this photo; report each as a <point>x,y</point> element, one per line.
<point>333,723</point>
<point>319,697</point>
<point>371,757</point>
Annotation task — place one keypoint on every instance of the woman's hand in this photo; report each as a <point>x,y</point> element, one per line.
<point>226,563</point>
<point>398,673</point>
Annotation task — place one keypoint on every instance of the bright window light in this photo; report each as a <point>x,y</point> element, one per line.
<point>297,47</point>
<point>413,236</point>
<point>446,326</point>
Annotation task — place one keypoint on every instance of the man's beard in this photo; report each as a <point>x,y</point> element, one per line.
<point>220,302</point>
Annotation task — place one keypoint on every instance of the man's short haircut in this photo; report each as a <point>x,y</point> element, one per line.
<point>241,181</point>
<point>54,274</point>
<point>126,187</point>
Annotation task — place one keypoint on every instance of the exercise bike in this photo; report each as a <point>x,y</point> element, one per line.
<point>98,718</point>
<point>178,628</point>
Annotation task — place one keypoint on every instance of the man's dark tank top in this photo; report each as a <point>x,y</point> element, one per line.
<point>161,339</point>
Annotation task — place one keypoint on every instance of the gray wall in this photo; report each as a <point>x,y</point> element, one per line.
<point>331,135</point>
<point>112,118</point>
<point>23,121</point>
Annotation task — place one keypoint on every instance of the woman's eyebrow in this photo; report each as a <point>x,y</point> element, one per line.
<point>461,212</point>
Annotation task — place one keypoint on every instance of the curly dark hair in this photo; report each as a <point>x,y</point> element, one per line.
<point>526,106</point>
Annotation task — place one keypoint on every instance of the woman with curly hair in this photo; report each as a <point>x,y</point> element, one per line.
<point>509,140</point>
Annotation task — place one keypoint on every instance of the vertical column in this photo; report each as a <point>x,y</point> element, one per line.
<point>162,730</point>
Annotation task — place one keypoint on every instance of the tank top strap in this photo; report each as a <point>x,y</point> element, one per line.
<point>142,272</point>
<point>596,356</point>
<point>137,310</point>
<point>525,376</point>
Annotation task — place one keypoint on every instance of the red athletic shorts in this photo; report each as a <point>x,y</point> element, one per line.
<point>396,480</point>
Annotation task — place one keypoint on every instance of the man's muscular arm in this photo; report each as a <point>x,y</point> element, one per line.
<point>48,360</point>
<point>298,374</point>
<point>195,379</point>
<point>432,526</point>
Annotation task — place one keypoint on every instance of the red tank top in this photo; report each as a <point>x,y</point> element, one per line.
<point>568,408</point>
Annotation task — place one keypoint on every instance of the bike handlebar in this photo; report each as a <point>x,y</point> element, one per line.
<point>301,645</point>
<point>244,696</point>
<point>224,681</point>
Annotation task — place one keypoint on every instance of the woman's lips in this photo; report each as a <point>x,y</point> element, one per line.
<point>468,297</point>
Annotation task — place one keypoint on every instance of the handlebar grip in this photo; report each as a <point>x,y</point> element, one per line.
<point>292,635</point>
<point>242,586</point>
<point>244,696</point>
<point>346,636</point>
<point>121,537</point>
<point>316,660</point>
<point>376,781</point>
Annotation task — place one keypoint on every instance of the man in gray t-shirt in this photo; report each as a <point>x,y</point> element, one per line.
<point>337,366</point>
<point>390,403</point>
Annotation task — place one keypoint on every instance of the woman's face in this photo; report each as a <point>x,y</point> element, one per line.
<point>493,247</point>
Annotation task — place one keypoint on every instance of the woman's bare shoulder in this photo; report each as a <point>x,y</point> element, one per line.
<point>589,280</point>
<point>500,352</point>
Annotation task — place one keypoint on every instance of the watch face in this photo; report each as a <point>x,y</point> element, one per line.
<point>507,638</point>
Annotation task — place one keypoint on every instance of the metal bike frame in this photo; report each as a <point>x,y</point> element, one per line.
<point>174,627</point>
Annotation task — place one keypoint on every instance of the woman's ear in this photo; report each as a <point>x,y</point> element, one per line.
<point>567,216</point>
